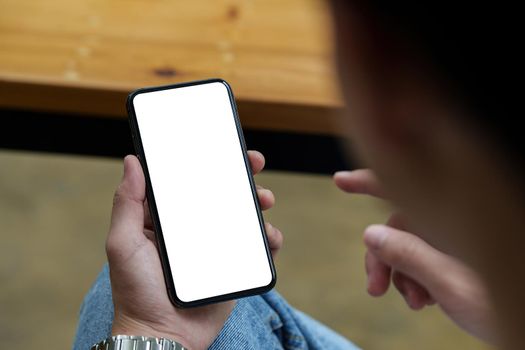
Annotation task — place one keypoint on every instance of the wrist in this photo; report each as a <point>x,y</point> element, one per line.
<point>124,325</point>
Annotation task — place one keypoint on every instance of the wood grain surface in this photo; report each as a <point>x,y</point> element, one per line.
<point>84,57</point>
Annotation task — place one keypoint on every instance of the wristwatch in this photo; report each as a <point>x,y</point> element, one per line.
<point>134,342</point>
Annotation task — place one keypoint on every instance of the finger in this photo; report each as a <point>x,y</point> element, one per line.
<point>408,254</point>
<point>275,238</point>
<point>416,296</point>
<point>362,181</point>
<point>266,198</point>
<point>127,217</point>
<point>378,275</point>
<point>257,161</point>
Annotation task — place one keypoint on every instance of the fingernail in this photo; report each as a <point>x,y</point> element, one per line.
<point>375,235</point>
<point>125,167</point>
<point>259,154</point>
<point>369,284</point>
<point>342,172</point>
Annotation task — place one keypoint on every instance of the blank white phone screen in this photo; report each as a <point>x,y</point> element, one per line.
<point>205,204</point>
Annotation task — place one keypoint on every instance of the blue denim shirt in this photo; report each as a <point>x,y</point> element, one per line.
<point>259,322</point>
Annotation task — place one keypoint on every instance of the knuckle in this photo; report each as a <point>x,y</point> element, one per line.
<point>114,248</point>
<point>117,197</point>
<point>402,254</point>
<point>111,245</point>
<point>279,237</point>
<point>275,237</point>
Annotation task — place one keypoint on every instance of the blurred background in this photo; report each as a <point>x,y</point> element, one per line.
<point>65,70</point>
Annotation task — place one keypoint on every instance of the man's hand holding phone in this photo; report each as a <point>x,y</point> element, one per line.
<point>142,306</point>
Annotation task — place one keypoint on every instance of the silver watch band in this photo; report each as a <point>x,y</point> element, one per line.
<point>134,342</point>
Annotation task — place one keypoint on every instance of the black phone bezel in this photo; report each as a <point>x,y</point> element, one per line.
<point>139,149</point>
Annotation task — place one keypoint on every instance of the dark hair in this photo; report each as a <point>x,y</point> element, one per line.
<point>474,46</point>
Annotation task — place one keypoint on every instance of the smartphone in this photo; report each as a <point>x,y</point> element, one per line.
<point>201,194</point>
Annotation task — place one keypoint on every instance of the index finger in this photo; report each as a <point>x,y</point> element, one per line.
<point>257,161</point>
<point>362,181</point>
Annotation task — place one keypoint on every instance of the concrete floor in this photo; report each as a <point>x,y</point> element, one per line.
<point>54,213</point>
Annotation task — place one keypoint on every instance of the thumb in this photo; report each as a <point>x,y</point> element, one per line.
<point>127,217</point>
<point>408,254</point>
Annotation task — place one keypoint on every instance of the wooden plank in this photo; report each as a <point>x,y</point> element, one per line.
<point>83,57</point>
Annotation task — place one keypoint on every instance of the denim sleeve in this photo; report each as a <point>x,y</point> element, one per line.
<point>268,322</point>
<point>259,322</point>
<point>96,313</point>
